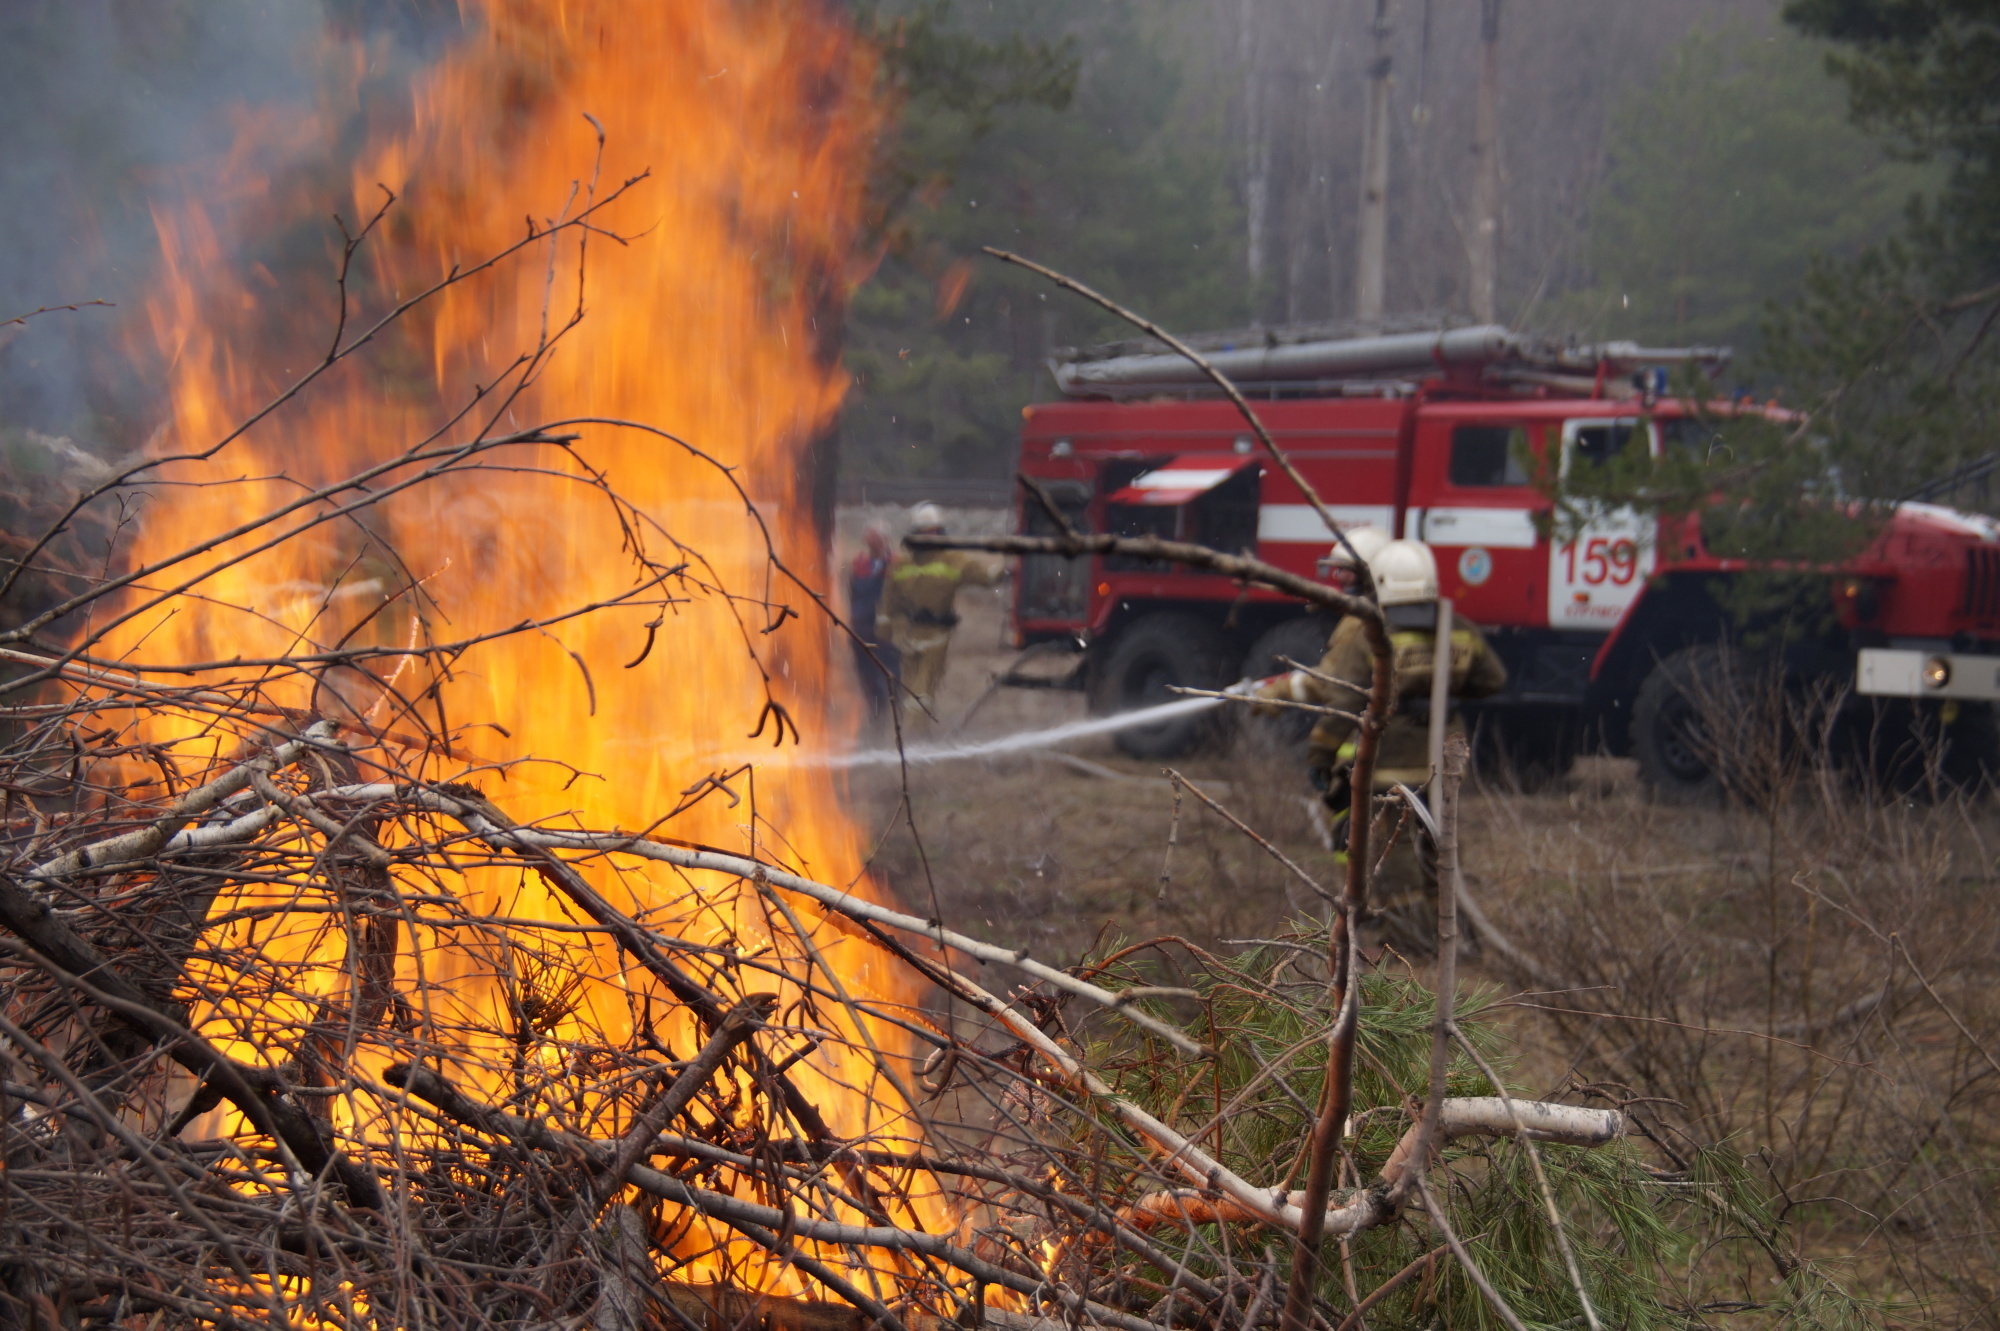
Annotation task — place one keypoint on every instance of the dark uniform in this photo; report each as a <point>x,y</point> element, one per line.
<point>866,578</point>
<point>1404,890</point>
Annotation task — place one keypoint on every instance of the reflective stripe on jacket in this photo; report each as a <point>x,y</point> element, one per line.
<point>919,594</point>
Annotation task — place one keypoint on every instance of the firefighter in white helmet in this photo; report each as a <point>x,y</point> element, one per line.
<point>1406,587</point>
<point>918,609</point>
<point>1338,564</point>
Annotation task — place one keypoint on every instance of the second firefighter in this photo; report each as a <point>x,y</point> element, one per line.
<point>919,603</point>
<point>1403,896</point>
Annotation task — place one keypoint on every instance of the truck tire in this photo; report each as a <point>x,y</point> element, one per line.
<point>1670,739</point>
<point>1301,639</point>
<point>1149,656</point>
<point>1525,748</point>
<point>1910,751</point>
<point>1972,750</point>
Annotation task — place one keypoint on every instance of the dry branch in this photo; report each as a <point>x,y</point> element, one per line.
<point>483,820</point>
<point>1338,1099</point>
<point>427,1085</point>
<point>261,1095</point>
<point>146,842</point>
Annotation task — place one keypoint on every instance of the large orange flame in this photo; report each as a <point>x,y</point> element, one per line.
<point>702,315</point>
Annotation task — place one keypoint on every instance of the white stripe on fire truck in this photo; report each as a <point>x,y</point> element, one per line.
<point>1495,528</point>
<point>1167,478</point>
<point>1298,522</point>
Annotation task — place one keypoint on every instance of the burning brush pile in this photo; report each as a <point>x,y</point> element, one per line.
<point>403,922</point>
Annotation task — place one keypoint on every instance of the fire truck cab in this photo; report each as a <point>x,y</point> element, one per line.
<point>1432,435</point>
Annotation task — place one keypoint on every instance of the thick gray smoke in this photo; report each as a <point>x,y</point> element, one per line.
<point>109,108</point>
<point>112,109</point>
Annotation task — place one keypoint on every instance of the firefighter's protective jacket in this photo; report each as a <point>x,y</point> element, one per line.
<point>1405,750</point>
<point>917,604</point>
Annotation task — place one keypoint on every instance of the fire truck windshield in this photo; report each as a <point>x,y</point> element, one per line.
<point>1598,444</point>
<point>1485,456</point>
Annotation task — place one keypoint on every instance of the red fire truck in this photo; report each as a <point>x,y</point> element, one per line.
<point>1606,636</point>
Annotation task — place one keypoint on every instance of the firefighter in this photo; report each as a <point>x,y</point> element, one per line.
<point>875,663</point>
<point>1406,587</point>
<point>918,610</point>
<point>1337,564</point>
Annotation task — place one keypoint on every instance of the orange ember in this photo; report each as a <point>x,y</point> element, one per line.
<point>705,292</point>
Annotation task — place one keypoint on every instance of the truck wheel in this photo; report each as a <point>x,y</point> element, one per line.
<point>1525,749</point>
<point>1670,736</point>
<point>1302,639</point>
<point>1150,656</point>
<point>1972,749</point>
<point>1913,752</point>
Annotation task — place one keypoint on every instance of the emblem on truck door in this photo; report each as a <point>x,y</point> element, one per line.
<point>1475,566</point>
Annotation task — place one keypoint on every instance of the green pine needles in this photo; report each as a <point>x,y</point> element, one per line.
<point>1665,1235</point>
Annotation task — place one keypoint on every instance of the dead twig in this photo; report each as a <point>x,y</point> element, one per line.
<point>1237,823</point>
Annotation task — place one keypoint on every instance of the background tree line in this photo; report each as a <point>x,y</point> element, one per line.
<point>1813,182</point>
<point>1671,172</point>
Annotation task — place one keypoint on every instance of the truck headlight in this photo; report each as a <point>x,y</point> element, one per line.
<point>1937,672</point>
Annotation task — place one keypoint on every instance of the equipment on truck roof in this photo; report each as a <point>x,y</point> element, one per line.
<point>1272,359</point>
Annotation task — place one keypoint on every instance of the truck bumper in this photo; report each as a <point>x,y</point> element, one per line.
<point>1891,672</point>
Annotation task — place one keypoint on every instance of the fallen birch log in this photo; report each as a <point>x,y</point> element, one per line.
<point>466,813</point>
<point>1477,1116</point>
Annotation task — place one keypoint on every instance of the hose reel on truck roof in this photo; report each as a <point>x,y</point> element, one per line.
<point>1274,358</point>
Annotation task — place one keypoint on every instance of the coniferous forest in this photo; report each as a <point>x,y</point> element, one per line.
<point>1670,172</point>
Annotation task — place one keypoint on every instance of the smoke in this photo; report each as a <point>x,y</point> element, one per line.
<point>115,108</point>
<point>119,112</point>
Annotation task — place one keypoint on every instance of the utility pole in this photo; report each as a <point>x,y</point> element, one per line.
<point>1484,234</point>
<point>1373,248</point>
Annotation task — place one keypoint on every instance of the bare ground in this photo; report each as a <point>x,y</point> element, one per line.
<point>1056,850</point>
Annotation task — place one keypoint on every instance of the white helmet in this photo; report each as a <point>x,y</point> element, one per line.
<point>927,517</point>
<point>1367,543</point>
<point>1406,573</point>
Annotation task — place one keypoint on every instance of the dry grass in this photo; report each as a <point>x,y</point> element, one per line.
<point>1812,983</point>
<point>1033,851</point>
